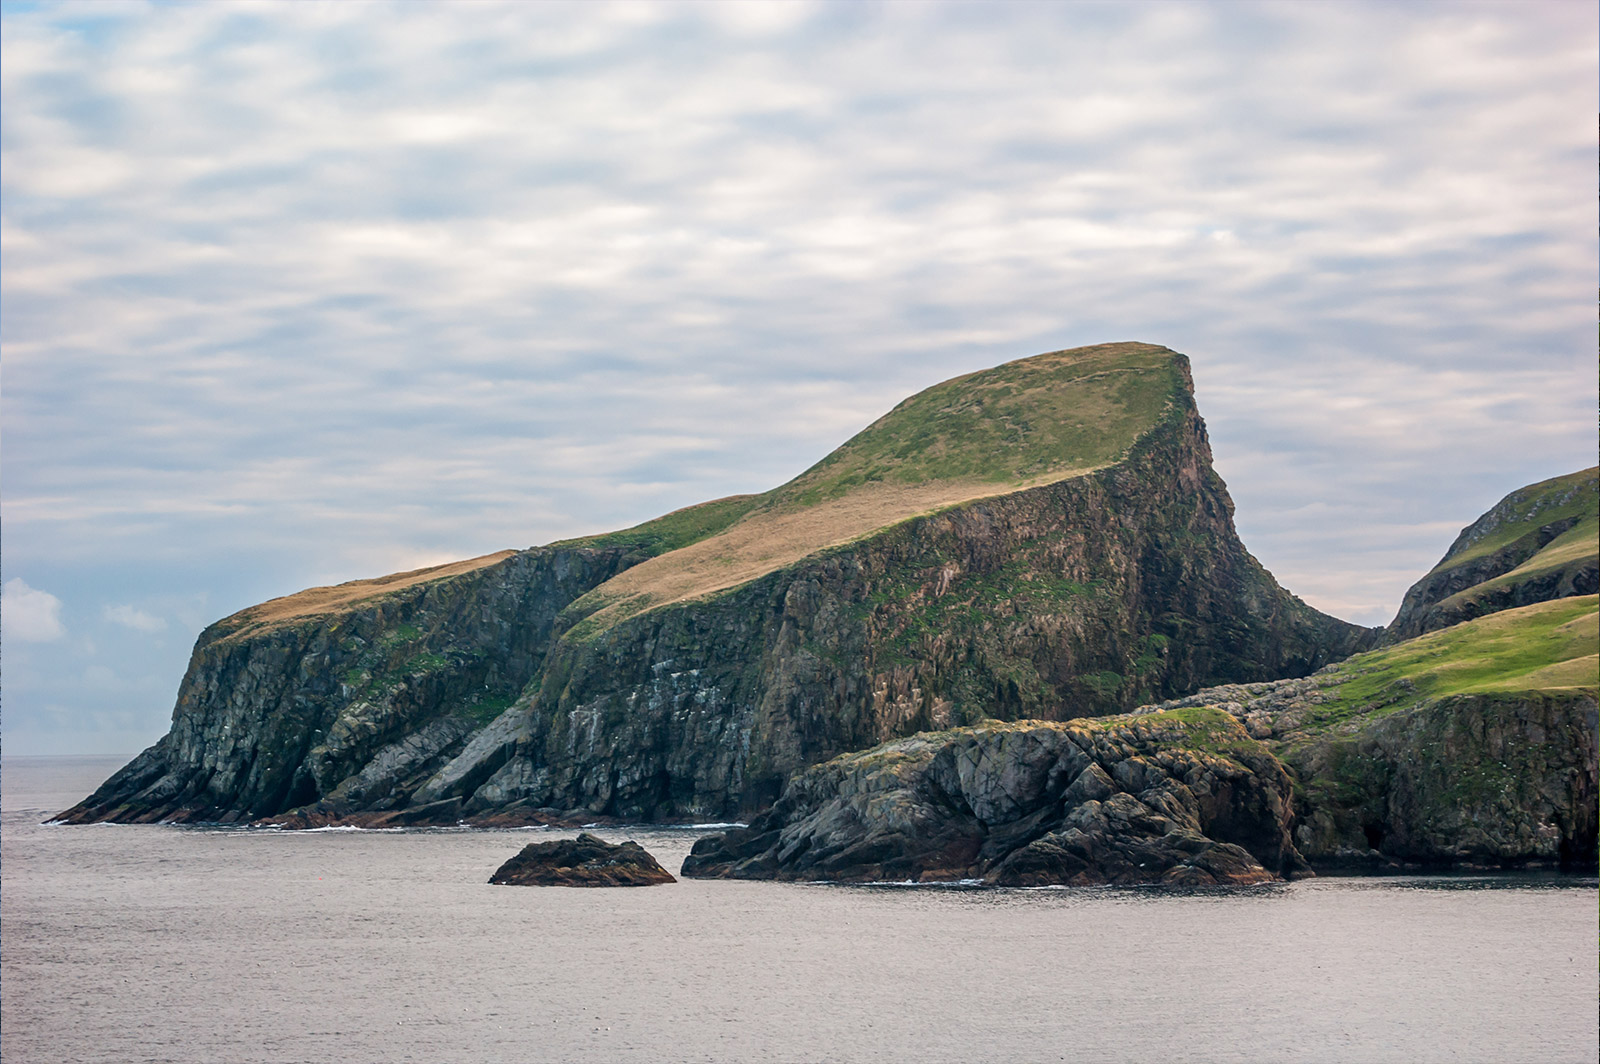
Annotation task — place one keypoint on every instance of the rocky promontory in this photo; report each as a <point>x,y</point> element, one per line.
<point>1044,539</point>
<point>586,861</point>
<point>1184,797</point>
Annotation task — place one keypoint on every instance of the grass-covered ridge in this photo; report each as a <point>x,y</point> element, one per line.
<point>676,529</point>
<point>1015,423</point>
<point>1546,646</point>
<point>1525,511</point>
<point>1022,424</point>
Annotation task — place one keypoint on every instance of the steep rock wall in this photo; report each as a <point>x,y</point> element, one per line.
<point>1470,781</point>
<point>1495,779</point>
<point>351,709</point>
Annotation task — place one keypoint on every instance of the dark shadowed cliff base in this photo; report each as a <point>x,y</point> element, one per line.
<point>1470,748</point>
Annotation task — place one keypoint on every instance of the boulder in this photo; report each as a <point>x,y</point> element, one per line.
<point>585,861</point>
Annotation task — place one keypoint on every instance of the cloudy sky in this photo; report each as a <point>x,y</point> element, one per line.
<point>298,293</point>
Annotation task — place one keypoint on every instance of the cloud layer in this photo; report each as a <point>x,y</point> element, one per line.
<point>299,293</point>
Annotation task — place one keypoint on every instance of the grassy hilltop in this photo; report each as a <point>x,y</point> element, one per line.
<point>1019,425</point>
<point>1539,542</point>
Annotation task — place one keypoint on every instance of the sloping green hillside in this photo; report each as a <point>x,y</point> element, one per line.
<point>1470,746</point>
<point>1019,425</point>
<point>1549,645</point>
<point>1540,542</point>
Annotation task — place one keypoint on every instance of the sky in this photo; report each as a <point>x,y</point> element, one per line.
<point>297,293</point>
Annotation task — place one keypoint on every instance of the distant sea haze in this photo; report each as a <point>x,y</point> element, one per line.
<point>144,942</point>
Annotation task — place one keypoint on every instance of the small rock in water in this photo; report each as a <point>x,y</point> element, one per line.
<point>585,861</point>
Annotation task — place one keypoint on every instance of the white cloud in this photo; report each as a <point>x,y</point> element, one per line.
<point>132,617</point>
<point>30,615</point>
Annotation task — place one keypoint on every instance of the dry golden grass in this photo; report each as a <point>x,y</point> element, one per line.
<point>771,539</point>
<point>320,600</point>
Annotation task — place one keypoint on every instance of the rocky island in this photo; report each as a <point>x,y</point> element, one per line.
<point>586,861</point>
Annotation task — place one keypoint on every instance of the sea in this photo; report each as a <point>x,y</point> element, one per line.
<point>127,943</point>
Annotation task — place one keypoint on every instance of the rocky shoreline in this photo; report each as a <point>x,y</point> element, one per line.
<point>1184,798</point>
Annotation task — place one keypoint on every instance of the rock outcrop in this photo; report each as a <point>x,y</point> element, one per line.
<point>1046,539</point>
<point>1539,543</point>
<point>1184,797</point>
<point>585,861</point>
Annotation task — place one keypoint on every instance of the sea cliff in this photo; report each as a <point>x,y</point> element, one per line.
<point>1043,540</point>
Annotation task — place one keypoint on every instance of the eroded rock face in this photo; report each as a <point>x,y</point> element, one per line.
<point>585,861</point>
<point>1181,798</point>
<point>354,711</point>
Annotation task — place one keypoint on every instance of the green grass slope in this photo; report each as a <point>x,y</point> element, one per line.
<point>1543,647</point>
<point>1540,542</point>
<point>1019,425</point>
<point>1471,746</point>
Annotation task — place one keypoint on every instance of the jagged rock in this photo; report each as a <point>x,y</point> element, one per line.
<point>1185,798</point>
<point>585,861</point>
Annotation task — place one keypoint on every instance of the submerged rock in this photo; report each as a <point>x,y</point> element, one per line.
<point>1185,797</point>
<point>585,861</point>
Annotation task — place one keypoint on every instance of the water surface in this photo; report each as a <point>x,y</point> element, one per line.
<point>148,943</point>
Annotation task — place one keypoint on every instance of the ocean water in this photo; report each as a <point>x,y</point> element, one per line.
<point>150,943</point>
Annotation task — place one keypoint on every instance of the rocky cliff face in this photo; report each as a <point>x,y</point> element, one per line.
<point>1539,543</point>
<point>1183,797</point>
<point>903,584</point>
<point>351,709</point>
<point>1473,747</point>
<point>1078,598</point>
